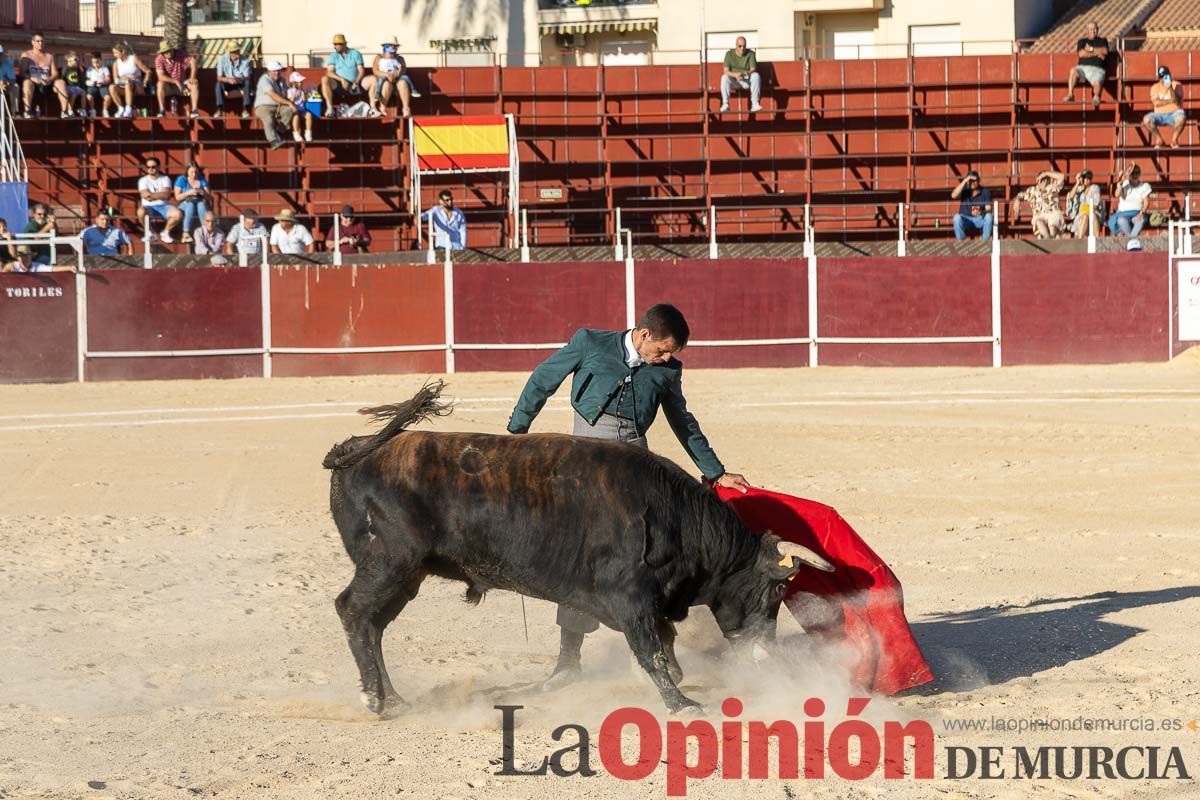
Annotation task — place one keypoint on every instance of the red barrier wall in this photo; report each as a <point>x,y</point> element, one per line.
<point>904,297</point>
<point>37,328</point>
<point>1055,309</point>
<point>770,298</point>
<point>531,304</point>
<point>1085,309</point>
<point>181,309</point>
<point>357,306</point>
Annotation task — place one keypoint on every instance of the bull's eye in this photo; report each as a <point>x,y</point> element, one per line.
<point>778,591</point>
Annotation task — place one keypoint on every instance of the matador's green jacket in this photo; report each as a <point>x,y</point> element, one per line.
<point>596,359</point>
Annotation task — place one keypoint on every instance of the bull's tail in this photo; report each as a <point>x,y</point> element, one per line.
<point>425,403</point>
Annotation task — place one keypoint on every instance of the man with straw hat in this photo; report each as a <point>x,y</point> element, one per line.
<point>289,237</point>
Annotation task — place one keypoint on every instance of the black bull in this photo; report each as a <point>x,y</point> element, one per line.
<point>608,529</point>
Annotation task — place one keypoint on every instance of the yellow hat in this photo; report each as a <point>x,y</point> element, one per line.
<point>339,38</point>
<point>287,215</point>
<point>164,47</point>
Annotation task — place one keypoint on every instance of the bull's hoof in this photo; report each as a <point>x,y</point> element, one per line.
<point>562,676</point>
<point>371,702</point>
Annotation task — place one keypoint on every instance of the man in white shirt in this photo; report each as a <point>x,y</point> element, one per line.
<point>288,236</point>
<point>155,188</point>
<point>1133,194</point>
<point>449,223</point>
<point>246,236</point>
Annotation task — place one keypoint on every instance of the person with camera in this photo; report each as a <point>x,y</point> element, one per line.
<point>974,209</point>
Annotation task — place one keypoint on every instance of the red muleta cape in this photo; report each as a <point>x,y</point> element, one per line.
<point>864,604</point>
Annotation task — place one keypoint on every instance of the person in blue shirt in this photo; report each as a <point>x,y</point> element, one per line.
<point>344,73</point>
<point>104,239</point>
<point>9,87</point>
<point>449,223</point>
<point>193,197</point>
<point>974,208</point>
<point>233,75</point>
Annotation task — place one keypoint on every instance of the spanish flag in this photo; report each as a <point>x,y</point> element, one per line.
<point>455,143</point>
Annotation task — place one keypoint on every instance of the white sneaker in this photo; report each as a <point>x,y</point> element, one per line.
<point>724,107</point>
<point>308,136</point>
<point>413,93</point>
<point>165,237</point>
<point>106,114</point>
<point>296,135</point>
<point>755,108</point>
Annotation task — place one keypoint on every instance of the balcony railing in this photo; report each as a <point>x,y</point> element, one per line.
<point>548,5</point>
<point>146,18</point>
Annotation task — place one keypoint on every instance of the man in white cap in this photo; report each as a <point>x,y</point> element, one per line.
<point>271,105</point>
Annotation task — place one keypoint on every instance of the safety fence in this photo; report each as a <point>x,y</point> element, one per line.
<point>287,320</point>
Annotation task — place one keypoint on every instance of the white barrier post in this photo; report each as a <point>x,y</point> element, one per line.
<point>996,230</point>
<point>337,240</point>
<point>432,257</point>
<point>809,249</point>
<point>448,294</point>
<point>147,257</point>
<point>901,245</point>
<point>996,354</point>
<point>242,258</point>
<point>1091,240</point>
<point>81,336</point>
<point>525,235</point>
<point>265,294</point>
<point>712,231</point>
<point>630,289</point>
<point>620,251</point>
<point>266,248</point>
<point>813,358</point>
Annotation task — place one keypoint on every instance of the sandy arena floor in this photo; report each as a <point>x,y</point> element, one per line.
<point>169,566</point>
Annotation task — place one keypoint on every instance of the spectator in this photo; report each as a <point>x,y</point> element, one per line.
<point>271,105</point>
<point>41,74</point>
<point>355,238</point>
<point>299,100</point>
<point>8,251</point>
<point>98,81</point>
<point>1165,98</point>
<point>1133,194</point>
<point>233,75</point>
<point>741,71</point>
<point>1092,50</point>
<point>344,75</point>
<point>176,71</point>
<point>388,76</point>
<point>288,236</point>
<point>155,188</point>
<point>449,223</point>
<point>193,196</point>
<point>247,236</point>
<point>974,209</point>
<point>103,239</point>
<point>1083,204</point>
<point>25,262</point>
<point>8,86</point>
<point>42,222</point>
<point>129,79</point>
<point>1042,198</point>
<point>71,87</point>
<point>209,238</point>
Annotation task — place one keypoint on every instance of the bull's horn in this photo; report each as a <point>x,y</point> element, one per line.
<point>790,549</point>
